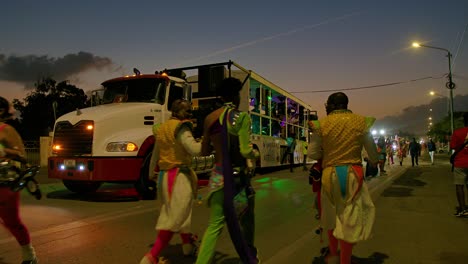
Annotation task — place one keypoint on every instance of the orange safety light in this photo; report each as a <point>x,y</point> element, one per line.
<point>131,147</point>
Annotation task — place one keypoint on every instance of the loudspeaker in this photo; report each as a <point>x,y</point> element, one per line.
<point>209,78</point>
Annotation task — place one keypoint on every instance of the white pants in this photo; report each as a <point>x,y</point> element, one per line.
<point>431,154</point>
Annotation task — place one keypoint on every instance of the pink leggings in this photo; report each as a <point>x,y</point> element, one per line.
<point>162,240</point>
<point>9,215</point>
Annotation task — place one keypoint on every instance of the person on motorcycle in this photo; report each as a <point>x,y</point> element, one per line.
<point>11,147</point>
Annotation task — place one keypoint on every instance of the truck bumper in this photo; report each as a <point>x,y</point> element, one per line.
<point>94,169</point>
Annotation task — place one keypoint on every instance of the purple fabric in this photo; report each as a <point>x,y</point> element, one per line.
<point>232,221</point>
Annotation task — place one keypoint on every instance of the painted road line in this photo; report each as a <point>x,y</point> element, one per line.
<point>87,222</point>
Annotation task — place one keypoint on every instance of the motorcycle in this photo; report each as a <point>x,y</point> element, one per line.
<point>17,178</point>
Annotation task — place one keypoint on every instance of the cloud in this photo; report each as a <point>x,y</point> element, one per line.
<point>29,69</point>
<point>415,118</point>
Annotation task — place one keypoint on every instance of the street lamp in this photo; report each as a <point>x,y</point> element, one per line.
<point>450,84</point>
<point>432,93</point>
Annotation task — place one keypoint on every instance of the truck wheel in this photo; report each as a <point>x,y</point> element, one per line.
<point>144,186</point>
<point>81,186</point>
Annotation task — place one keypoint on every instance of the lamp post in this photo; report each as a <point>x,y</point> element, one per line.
<point>450,84</point>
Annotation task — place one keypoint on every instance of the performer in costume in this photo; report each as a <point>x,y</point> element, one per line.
<point>315,179</point>
<point>227,132</point>
<point>12,147</point>
<point>177,182</point>
<point>390,153</point>
<point>347,209</point>
<point>402,150</point>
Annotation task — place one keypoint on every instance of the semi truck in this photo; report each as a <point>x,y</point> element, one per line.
<point>112,140</point>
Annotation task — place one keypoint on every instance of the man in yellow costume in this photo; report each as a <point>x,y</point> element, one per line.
<point>177,182</point>
<point>347,209</point>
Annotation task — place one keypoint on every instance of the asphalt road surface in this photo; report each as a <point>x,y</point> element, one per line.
<point>414,222</point>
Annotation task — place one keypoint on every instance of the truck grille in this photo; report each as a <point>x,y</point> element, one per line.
<point>73,140</point>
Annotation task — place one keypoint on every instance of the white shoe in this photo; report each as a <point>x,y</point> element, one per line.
<point>148,259</point>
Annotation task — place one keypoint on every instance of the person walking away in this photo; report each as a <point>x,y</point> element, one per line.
<point>460,165</point>
<point>381,149</point>
<point>177,182</point>
<point>348,212</point>
<point>12,147</point>
<point>304,153</point>
<point>226,131</point>
<point>390,153</point>
<point>402,150</point>
<point>415,150</point>
<point>431,148</point>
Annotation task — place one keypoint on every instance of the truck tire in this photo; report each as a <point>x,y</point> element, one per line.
<point>145,187</point>
<point>82,186</point>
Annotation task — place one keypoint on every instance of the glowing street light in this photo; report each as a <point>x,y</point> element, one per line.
<point>432,93</point>
<point>450,84</point>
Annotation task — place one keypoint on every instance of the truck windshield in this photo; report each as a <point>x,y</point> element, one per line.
<point>135,90</point>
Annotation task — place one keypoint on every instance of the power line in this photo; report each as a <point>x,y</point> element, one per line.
<point>369,87</point>
<point>459,45</point>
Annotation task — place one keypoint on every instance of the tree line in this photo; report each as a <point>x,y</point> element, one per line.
<point>440,131</point>
<point>44,104</point>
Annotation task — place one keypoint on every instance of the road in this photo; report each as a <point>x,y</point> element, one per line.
<point>414,222</point>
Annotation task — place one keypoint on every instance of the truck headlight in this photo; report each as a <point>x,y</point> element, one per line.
<point>121,147</point>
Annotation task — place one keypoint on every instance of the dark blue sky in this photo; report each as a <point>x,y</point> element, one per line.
<point>298,45</point>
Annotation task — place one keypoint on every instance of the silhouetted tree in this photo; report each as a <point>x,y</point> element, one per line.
<point>48,101</point>
<point>440,131</point>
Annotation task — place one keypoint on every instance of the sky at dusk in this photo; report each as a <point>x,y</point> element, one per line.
<point>302,46</point>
